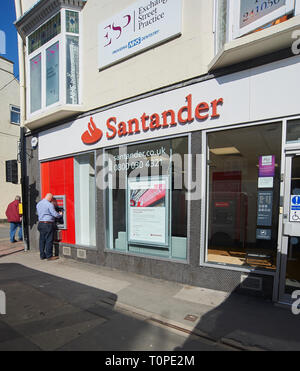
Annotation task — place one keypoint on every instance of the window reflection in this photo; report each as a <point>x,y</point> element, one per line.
<point>244,179</point>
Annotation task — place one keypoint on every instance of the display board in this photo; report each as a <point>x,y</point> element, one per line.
<point>142,25</point>
<point>148,205</point>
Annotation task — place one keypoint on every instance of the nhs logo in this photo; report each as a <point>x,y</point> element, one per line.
<point>134,42</point>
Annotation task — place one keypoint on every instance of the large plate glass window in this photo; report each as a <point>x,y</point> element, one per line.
<point>243,180</point>
<point>146,208</point>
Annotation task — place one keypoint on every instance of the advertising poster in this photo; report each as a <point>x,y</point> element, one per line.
<point>266,171</point>
<point>148,210</point>
<point>266,166</point>
<point>264,208</point>
<point>253,10</point>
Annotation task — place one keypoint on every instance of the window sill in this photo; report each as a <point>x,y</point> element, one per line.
<point>257,44</point>
<point>51,115</point>
<point>248,269</point>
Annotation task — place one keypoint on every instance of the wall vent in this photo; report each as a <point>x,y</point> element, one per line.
<point>251,283</point>
<point>67,250</point>
<point>81,254</point>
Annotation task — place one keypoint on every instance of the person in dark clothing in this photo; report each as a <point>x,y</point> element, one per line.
<point>47,216</point>
<point>14,217</point>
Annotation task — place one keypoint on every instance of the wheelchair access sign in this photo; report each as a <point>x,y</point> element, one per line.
<point>295,208</point>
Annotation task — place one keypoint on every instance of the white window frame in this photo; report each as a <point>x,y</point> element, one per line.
<point>12,109</point>
<point>234,17</point>
<point>61,38</point>
<point>205,199</point>
<point>216,30</point>
<point>66,34</point>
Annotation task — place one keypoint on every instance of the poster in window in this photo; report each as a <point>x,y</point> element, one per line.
<point>148,211</point>
<point>52,74</point>
<point>264,208</point>
<point>36,83</point>
<point>253,10</point>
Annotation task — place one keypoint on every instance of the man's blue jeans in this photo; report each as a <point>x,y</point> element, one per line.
<point>46,239</point>
<point>13,228</point>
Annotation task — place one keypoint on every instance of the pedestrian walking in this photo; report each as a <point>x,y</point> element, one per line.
<point>14,217</point>
<point>47,216</point>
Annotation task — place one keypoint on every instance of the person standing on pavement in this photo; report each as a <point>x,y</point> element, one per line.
<point>47,216</point>
<point>14,218</point>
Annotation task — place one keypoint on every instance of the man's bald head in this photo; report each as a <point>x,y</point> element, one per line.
<point>49,197</point>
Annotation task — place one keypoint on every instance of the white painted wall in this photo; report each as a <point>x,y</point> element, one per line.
<point>171,62</point>
<point>174,61</point>
<point>9,133</point>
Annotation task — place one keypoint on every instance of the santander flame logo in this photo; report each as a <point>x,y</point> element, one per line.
<point>92,135</point>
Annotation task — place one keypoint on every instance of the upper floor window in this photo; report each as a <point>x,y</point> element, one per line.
<point>53,62</point>
<point>14,115</point>
<point>45,33</point>
<point>236,18</point>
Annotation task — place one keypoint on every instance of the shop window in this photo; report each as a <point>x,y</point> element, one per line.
<point>236,18</point>
<point>53,62</point>
<point>243,180</point>
<point>146,208</point>
<point>293,131</point>
<point>84,191</point>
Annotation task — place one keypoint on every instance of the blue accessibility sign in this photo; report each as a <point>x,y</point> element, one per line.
<point>296,200</point>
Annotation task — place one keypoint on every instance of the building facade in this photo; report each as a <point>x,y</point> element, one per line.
<point>168,132</point>
<point>9,131</point>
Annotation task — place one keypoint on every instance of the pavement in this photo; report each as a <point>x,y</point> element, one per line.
<point>72,305</point>
<point>6,247</point>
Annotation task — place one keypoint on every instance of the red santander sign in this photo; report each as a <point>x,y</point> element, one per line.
<point>187,114</point>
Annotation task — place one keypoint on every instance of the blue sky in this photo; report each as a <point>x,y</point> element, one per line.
<point>7,18</point>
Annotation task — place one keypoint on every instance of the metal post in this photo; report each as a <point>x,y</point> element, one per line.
<point>24,187</point>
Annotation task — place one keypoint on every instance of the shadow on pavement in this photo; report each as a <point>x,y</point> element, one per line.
<point>46,312</point>
<point>252,322</point>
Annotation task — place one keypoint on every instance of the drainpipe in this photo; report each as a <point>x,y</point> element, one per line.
<point>24,182</point>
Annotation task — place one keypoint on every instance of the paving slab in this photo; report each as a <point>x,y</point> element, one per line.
<point>87,293</point>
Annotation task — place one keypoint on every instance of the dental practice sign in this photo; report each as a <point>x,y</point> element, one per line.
<point>144,24</point>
